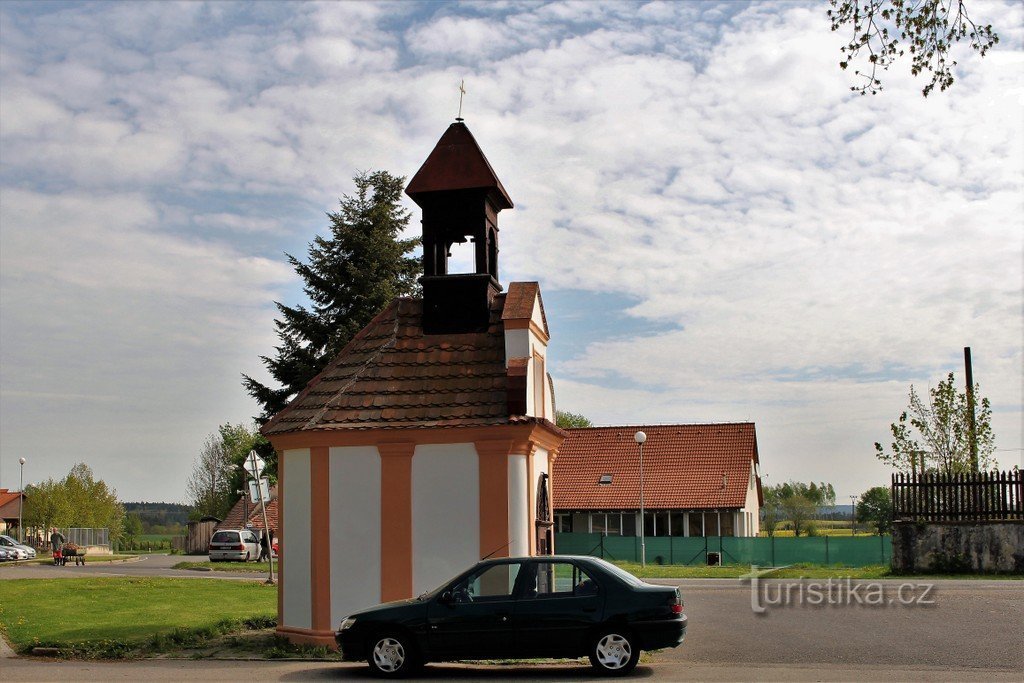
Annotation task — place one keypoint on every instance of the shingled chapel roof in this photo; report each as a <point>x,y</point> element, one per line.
<point>458,163</point>
<point>393,376</point>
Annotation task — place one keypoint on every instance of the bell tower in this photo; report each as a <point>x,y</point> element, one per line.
<point>460,197</point>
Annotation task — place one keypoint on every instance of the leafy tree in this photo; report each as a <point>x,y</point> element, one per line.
<point>132,528</point>
<point>567,420</point>
<point>771,511</point>
<point>351,275</point>
<point>238,441</point>
<point>936,434</point>
<point>875,508</point>
<point>885,30</point>
<point>209,486</point>
<point>797,503</point>
<point>77,500</point>
<point>217,475</point>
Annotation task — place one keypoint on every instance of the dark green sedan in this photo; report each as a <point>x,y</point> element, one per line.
<point>525,607</point>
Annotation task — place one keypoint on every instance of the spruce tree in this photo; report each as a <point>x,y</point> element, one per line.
<point>350,276</point>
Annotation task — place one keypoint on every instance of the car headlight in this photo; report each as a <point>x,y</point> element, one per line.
<point>347,623</point>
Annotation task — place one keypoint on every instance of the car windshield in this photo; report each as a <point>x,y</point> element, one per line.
<point>617,571</point>
<point>225,537</point>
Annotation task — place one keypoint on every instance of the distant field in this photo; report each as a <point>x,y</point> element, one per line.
<point>825,527</point>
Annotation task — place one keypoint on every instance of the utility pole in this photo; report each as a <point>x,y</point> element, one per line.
<point>970,409</point>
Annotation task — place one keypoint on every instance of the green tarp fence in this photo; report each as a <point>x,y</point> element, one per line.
<point>763,551</point>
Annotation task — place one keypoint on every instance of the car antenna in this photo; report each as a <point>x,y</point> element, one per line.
<point>496,550</point>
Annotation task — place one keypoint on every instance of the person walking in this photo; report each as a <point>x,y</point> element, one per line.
<point>264,546</point>
<point>56,539</point>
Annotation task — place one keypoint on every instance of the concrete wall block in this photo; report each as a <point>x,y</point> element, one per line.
<point>958,547</point>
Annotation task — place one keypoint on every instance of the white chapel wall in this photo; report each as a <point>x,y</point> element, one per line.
<point>298,603</point>
<point>355,529</point>
<point>445,512</point>
<point>518,507</point>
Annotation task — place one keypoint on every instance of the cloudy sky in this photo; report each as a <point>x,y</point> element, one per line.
<point>721,229</point>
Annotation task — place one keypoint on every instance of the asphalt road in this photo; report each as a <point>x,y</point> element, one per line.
<point>969,631</point>
<point>146,565</point>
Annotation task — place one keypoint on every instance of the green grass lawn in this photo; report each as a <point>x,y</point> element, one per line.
<point>69,612</point>
<point>253,567</point>
<point>653,571</point>
<point>797,571</point>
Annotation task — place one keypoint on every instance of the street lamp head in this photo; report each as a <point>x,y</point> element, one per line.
<point>640,437</point>
<point>21,460</point>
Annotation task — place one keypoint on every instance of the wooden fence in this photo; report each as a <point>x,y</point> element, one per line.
<point>938,497</point>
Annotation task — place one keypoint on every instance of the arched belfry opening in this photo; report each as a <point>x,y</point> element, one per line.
<point>460,196</point>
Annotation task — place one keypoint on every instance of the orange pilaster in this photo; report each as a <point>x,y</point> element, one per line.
<point>493,454</point>
<point>396,520</point>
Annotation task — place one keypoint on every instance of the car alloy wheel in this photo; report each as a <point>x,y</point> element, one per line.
<point>391,656</point>
<point>613,653</point>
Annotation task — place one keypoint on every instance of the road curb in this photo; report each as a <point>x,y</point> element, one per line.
<point>6,651</point>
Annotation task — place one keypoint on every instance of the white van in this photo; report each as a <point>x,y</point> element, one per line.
<point>234,544</point>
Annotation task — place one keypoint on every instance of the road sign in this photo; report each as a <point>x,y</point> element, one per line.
<point>254,464</point>
<point>261,494</point>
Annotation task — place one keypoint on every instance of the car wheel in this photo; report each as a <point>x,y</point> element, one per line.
<point>392,656</point>
<point>614,653</point>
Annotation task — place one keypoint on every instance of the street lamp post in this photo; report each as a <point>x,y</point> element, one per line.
<point>640,439</point>
<point>21,501</point>
<point>853,516</point>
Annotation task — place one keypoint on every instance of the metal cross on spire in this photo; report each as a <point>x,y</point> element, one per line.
<point>462,93</point>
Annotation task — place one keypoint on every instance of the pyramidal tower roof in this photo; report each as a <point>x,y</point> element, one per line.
<point>457,163</point>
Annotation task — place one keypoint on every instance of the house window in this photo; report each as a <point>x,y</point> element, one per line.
<point>661,527</point>
<point>605,480</point>
<point>711,524</point>
<point>597,523</point>
<point>581,522</point>
<point>614,524</point>
<point>696,524</point>
<point>678,523</point>
<point>629,524</point>
<point>563,524</point>
<point>727,528</point>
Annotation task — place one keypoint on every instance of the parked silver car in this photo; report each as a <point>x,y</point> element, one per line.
<point>23,552</point>
<point>234,544</point>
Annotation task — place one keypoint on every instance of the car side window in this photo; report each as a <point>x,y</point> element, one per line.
<point>559,580</point>
<point>490,584</point>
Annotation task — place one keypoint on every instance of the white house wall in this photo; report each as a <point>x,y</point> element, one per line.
<point>297,517</point>
<point>355,529</point>
<point>752,506</point>
<point>445,512</point>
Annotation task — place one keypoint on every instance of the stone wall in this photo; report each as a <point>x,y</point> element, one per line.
<point>958,547</point>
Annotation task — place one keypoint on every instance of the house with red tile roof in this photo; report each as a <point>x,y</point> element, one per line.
<point>456,378</point>
<point>698,480</point>
<point>247,513</point>
<point>10,506</point>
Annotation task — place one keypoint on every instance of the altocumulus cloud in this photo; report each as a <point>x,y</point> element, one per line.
<point>793,254</point>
